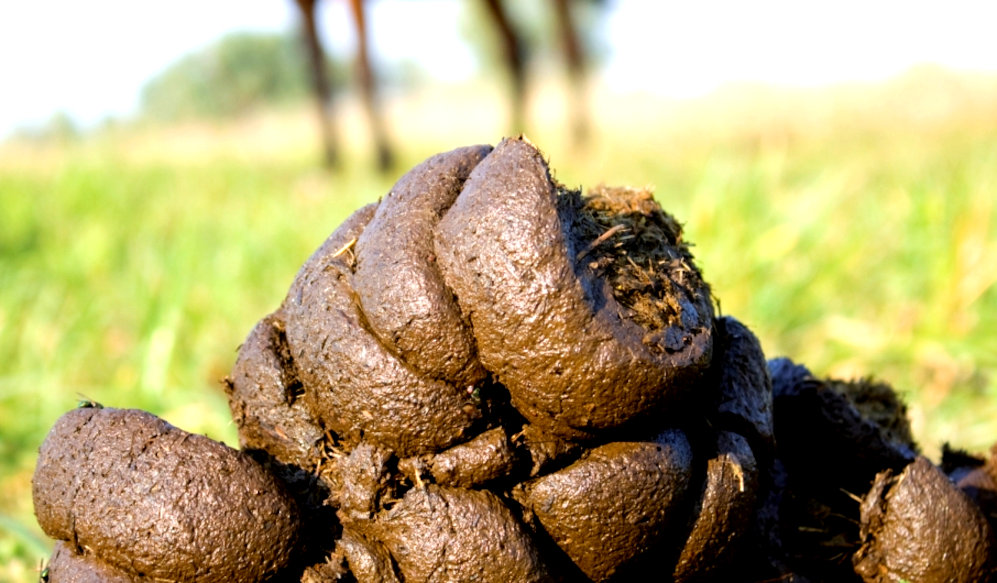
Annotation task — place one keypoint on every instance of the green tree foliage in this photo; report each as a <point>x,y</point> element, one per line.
<point>238,73</point>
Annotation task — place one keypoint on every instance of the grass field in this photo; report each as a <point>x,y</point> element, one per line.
<point>854,230</point>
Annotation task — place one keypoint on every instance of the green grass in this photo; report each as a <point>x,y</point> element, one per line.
<point>857,246</point>
<point>133,284</point>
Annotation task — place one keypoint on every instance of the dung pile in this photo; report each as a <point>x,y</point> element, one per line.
<point>487,376</point>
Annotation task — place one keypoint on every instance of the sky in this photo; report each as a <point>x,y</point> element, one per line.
<point>90,59</point>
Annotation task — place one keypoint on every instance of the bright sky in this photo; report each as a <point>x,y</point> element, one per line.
<point>90,58</point>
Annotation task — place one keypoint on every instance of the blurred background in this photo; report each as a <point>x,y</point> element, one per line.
<point>162,178</point>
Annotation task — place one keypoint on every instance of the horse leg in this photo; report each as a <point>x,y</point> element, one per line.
<point>320,80</point>
<point>385,157</point>
<point>575,58</point>
<point>514,53</point>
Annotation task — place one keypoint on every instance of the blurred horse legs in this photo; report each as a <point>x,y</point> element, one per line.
<point>368,86</point>
<point>575,59</point>
<point>320,81</point>
<point>514,53</point>
<point>322,87</point>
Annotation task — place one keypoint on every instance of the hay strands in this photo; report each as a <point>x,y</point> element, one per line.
<point>600,240</point>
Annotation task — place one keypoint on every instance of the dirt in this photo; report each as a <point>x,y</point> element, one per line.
<point>487,376</point>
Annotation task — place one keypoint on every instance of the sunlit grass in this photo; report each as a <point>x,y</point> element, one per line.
<point>133,284</point>
<point>853,231</point>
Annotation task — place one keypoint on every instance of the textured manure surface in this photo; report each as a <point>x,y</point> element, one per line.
<point>628,240</point>
<point>486,376</point>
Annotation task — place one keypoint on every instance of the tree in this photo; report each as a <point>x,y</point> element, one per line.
<point>238,73</point>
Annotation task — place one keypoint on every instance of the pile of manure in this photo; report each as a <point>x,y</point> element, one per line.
<point>487,376</point>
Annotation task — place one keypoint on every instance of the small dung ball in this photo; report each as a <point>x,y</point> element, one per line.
<point>920,527</point>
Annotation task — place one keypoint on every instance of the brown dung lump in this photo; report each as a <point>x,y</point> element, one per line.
<point>918,526</point>
<point>487,376</point>
<point>548,327</point>
<point>156,502</point>
<point>615,501</point>
<point>68,566</point>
